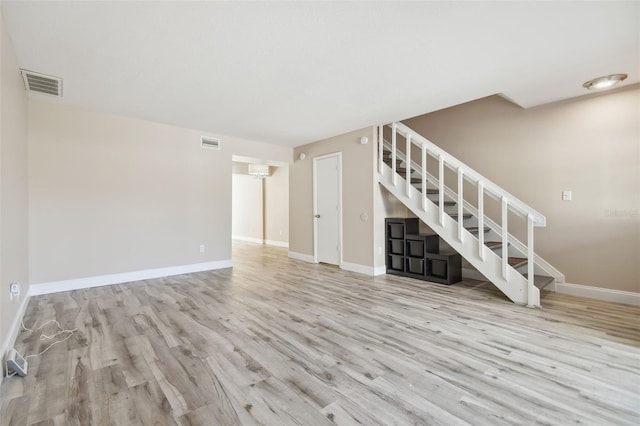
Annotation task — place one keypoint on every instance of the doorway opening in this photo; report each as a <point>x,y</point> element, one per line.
<point>260,202</point>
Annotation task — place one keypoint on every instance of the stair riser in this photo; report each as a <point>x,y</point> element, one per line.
<point>497,251</point>
<point>515,287</point>
<point>542,268</point>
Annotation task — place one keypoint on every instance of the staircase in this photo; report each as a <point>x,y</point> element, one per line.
<point>458,214</point>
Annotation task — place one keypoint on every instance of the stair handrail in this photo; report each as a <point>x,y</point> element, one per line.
<point>508,201</point>
<point>519,245</point>
<point>470,174</point>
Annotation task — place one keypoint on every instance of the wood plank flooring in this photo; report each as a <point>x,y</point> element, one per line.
<point>276,341</point>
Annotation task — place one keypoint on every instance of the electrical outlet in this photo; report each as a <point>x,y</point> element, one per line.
<point>201,248</point>
<point>16,363</point>
<point>566,195</point>
<point>14,290</point>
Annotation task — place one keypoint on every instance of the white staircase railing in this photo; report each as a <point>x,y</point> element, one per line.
<point>484,186</point>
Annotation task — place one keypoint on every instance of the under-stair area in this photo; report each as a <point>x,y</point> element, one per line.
<point>472,215</point>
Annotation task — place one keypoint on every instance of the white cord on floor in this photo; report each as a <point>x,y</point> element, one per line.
<point>49,337</point>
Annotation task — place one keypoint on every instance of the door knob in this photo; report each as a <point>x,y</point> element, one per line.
<point>317,216</point>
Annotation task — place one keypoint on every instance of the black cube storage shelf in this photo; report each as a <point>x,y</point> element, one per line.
<point>417,255</point>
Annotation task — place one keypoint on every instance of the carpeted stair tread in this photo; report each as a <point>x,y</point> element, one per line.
<point>388,163</point>
<point>464,215</point>
<point>516,262</point>
<point>474,229</point>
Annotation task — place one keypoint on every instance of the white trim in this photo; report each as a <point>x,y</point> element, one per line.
<point>97,281</point>
<point>606,294</point>
<point>10,340</point>
<point>248,239</point>
<point>276,243</point>
<point>490,188</point>
<point>364,269</point>
<point>315,202</point>
<point>379,270</point>
<point>356,267</point>
<point>545,266</point>
<point>301,256</point>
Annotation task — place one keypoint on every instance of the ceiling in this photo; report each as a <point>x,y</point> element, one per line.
<point>291,73</point>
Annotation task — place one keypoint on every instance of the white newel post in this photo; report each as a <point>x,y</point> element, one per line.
<point>533,297</point>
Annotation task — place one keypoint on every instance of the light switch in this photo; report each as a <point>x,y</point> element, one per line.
<point>566,195</point>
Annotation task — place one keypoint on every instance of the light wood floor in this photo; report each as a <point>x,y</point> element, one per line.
<point>277,342</point>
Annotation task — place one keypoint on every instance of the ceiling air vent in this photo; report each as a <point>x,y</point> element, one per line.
<point>42,83</point>
<point>210,143</point>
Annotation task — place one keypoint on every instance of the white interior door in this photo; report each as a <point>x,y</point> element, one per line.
<point>327,195</point>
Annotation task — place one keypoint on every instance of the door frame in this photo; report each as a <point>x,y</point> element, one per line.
<point>315,204</point>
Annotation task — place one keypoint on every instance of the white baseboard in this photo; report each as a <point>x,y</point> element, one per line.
<point>97,281</point>
<point>10,340</point>
<point>276,243</point>
<point>364,269</point>
<point>247,239</point>
<point>355,267</point>
<point>379,270</point>
<point>606,294</point>
<point>301,256</point>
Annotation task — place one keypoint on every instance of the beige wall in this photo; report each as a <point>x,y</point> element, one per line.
<point>589,145</point>
<point>239,168</point>
<point>385,205</point>
<point>112,194</point>
<point>276,206</point>
<point>248,219</point>
<point>13,187</point>
<point>357,196</point>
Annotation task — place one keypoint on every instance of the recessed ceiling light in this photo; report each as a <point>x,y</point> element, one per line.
<point>605,82</point>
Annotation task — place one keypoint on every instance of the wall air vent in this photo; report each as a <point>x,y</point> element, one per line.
<point>210,143</point>
<point>42,83</point>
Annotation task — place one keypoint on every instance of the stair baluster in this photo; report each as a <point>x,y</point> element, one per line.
<point>481,220</point>
<point>441,188</point>
<point>380,149</point>
<point>408,165</point>
<point>424,177</point>
<point>394,130</point>
<point>460,203</point>
<point>505,238</point>
<point>523,288</point>
<point>533,297</point>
